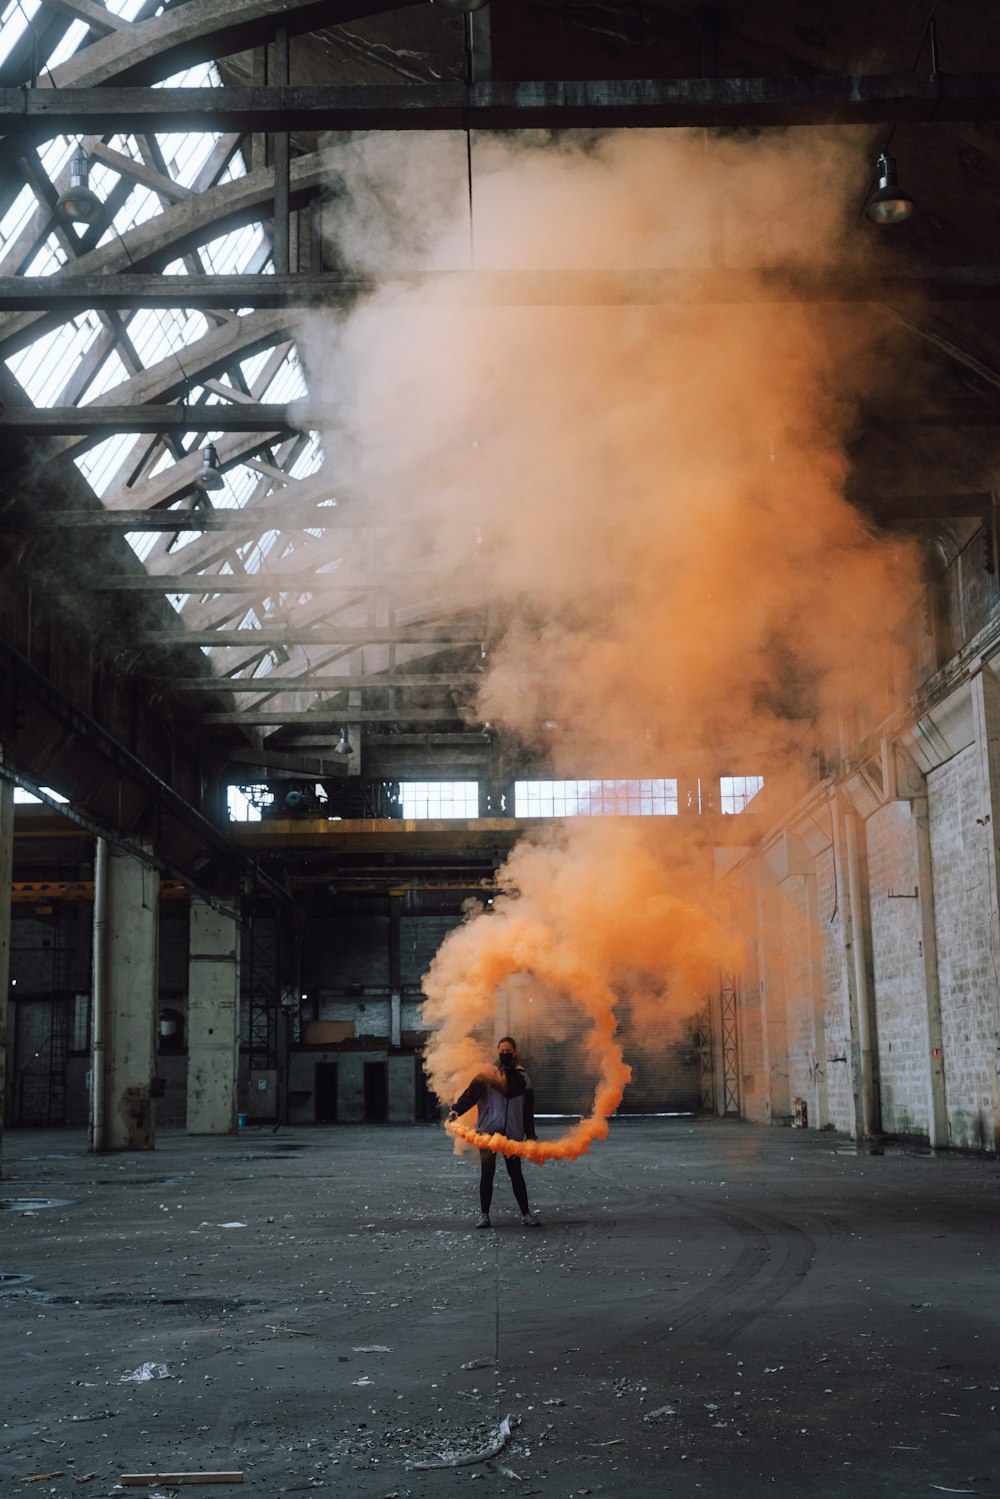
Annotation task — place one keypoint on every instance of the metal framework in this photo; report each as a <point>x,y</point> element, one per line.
<point>729,995</point>
<point>212,564</point>
<point>262,990</point>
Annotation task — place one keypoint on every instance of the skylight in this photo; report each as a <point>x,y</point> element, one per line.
<point>100,354</point>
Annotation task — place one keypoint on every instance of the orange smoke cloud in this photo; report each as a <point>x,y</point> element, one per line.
<point>644,507</point>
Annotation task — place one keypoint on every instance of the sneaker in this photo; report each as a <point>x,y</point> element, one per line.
<point>483,1221</point>
<point>530,1221</point>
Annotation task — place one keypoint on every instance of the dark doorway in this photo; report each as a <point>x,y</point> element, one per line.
<point>428,1106</point>
<point>376,1092</point>
<point>326,1092</point>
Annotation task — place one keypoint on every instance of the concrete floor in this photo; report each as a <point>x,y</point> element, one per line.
<point>709,1308</point>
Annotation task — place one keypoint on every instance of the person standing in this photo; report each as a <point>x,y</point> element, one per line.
<point>506,1107</point>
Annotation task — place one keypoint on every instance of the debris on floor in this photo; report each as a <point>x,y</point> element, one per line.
<point>466,1459</point>
<point>144,1372</point>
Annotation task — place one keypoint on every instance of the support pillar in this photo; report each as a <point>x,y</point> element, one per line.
<point>937,1096</point>
<point>212,1020</point>
<point>395,971</point>
<point>820,1116</point>
<point>851,870</point>
<point>773,1002</point>
<point>986,718</point>
<point>126,940</point>
<point>6,868</point>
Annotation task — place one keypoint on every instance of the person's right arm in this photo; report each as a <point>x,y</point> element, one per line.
<point>472,1094</point>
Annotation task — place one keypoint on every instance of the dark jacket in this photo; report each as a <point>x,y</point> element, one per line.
<point>507,1109</point>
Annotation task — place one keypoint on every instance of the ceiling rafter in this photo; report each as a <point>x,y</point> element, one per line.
<point>204,30</point>
<point>68,292</point>
<point>258,718</point>
<point>326,683</point>
<point>636,103</point>
<point>178,416</point>
<point>303,633</point>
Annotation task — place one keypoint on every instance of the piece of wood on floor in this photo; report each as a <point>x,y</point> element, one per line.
<point>138,1478</point>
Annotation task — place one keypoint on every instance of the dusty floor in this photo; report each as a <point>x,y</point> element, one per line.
<point>708,1309</point>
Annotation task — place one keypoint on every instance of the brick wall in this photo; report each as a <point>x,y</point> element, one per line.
<point>419,939</point>
<point>960,848</point>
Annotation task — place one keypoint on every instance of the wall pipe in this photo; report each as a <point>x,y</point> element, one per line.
<point>870,1121</point>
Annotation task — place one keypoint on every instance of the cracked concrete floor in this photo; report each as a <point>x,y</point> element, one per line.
<point>709,1308</point>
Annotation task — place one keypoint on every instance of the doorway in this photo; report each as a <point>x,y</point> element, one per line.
<point>326,1092</point>
<point>376,1092</point>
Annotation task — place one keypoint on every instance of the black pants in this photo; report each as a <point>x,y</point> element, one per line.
<point>488,1163</point>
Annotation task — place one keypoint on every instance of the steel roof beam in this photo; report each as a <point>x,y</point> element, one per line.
<point>817,99</point>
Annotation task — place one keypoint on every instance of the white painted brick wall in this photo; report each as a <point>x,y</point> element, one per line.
<point>960,848</point>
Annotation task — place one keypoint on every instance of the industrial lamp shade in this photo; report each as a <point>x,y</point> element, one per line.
<point>209,476</point>
<point>463,6</point>
<point>889,203</point>
<point>344,745</point>
<point>79,204</point>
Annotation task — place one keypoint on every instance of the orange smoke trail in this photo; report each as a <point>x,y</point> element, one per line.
<point>591,914</point>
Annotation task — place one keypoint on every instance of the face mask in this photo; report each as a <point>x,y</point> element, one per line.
<point>506,1060</point>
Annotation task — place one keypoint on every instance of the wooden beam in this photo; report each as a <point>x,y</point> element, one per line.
<point>269,582</point>
<point>319,634</point>
<point>817,99</point>
<point>76,421</point>
<point>313,718</point>
<point>66,294</point>
<point>247,415</point>
<point>253,519</point>
<point>273,683</point>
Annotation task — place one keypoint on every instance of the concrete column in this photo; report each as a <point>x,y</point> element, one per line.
<point>395,970</point>
<point>819,1114</point>
<point>6,867</point>
<point>126,940</point>
<point>851,870</point>
<point>789,862</point>
<point>213,1038</point>
<point>937,1096</point>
